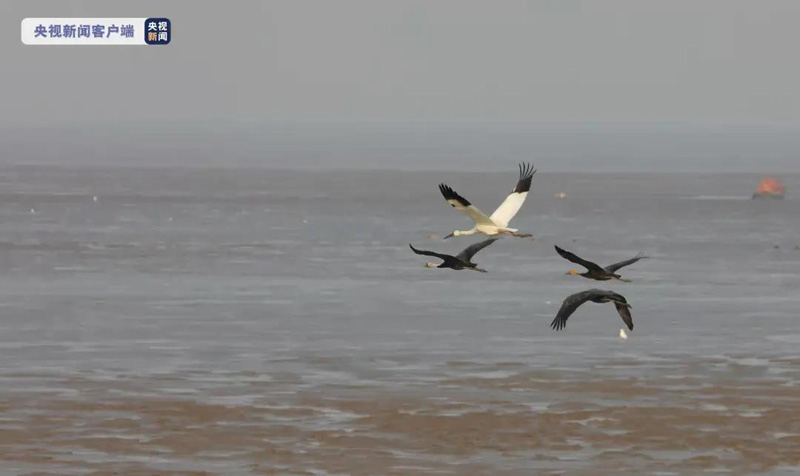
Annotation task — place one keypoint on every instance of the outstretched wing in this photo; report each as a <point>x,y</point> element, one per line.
<point>571,303</point>
<point>578,260</point>
<point>461,204</point>
<point>511,205</point>
<point>625,314</point>
<point>470,251</point>
<point>613,267</point>
<point>623,308</point>
<point>430,253</point>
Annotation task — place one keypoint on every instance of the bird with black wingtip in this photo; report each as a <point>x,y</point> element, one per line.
<point>594,270</point>
<point>497,223</point>
<point>458,262</point>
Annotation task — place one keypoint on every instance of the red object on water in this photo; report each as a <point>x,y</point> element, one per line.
<point>770,186</point>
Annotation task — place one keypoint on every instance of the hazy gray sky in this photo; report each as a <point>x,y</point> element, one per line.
<point>707,61</point>
<point>673,62</point>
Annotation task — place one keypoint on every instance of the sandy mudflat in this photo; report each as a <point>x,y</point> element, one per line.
<point>600,427</point>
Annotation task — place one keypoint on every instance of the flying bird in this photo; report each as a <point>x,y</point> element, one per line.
<point>460,261</point>
<point>599,296</point>
<point>497,223</point>
<point>594,270</point>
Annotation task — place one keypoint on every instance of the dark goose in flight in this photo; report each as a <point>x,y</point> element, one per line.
<point>595,271</point>
<point>573,302</point>
<point>459,261</point>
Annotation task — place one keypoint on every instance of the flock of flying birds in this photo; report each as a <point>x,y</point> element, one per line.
<point>497,224</point>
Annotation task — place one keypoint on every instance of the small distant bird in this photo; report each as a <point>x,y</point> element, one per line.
<point>594,270</point>
<point>459,261</point>
<point>497,223</point>
<point>599,296</point>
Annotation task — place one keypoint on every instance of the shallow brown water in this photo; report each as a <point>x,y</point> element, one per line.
<point>507,421</point>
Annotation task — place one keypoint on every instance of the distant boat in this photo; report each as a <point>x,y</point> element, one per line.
<point>770,188</point>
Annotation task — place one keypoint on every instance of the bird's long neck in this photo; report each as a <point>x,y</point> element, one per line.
<point>468,232</point>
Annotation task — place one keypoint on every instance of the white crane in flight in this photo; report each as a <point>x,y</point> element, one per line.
<point>497,223</point>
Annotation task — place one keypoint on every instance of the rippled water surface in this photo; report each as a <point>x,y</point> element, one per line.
<point>240,322</point>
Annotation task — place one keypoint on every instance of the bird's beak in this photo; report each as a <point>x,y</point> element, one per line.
<point>449,236</point>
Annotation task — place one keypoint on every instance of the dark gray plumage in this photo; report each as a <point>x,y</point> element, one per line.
<point>613,267</point>
<point>573,302</point>
<point>594,270</point>
<point>460,261</point>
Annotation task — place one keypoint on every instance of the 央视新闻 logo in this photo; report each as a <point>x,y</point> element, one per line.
<point>157,31</point>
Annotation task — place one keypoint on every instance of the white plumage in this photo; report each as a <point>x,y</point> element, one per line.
<point>498,222</point>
